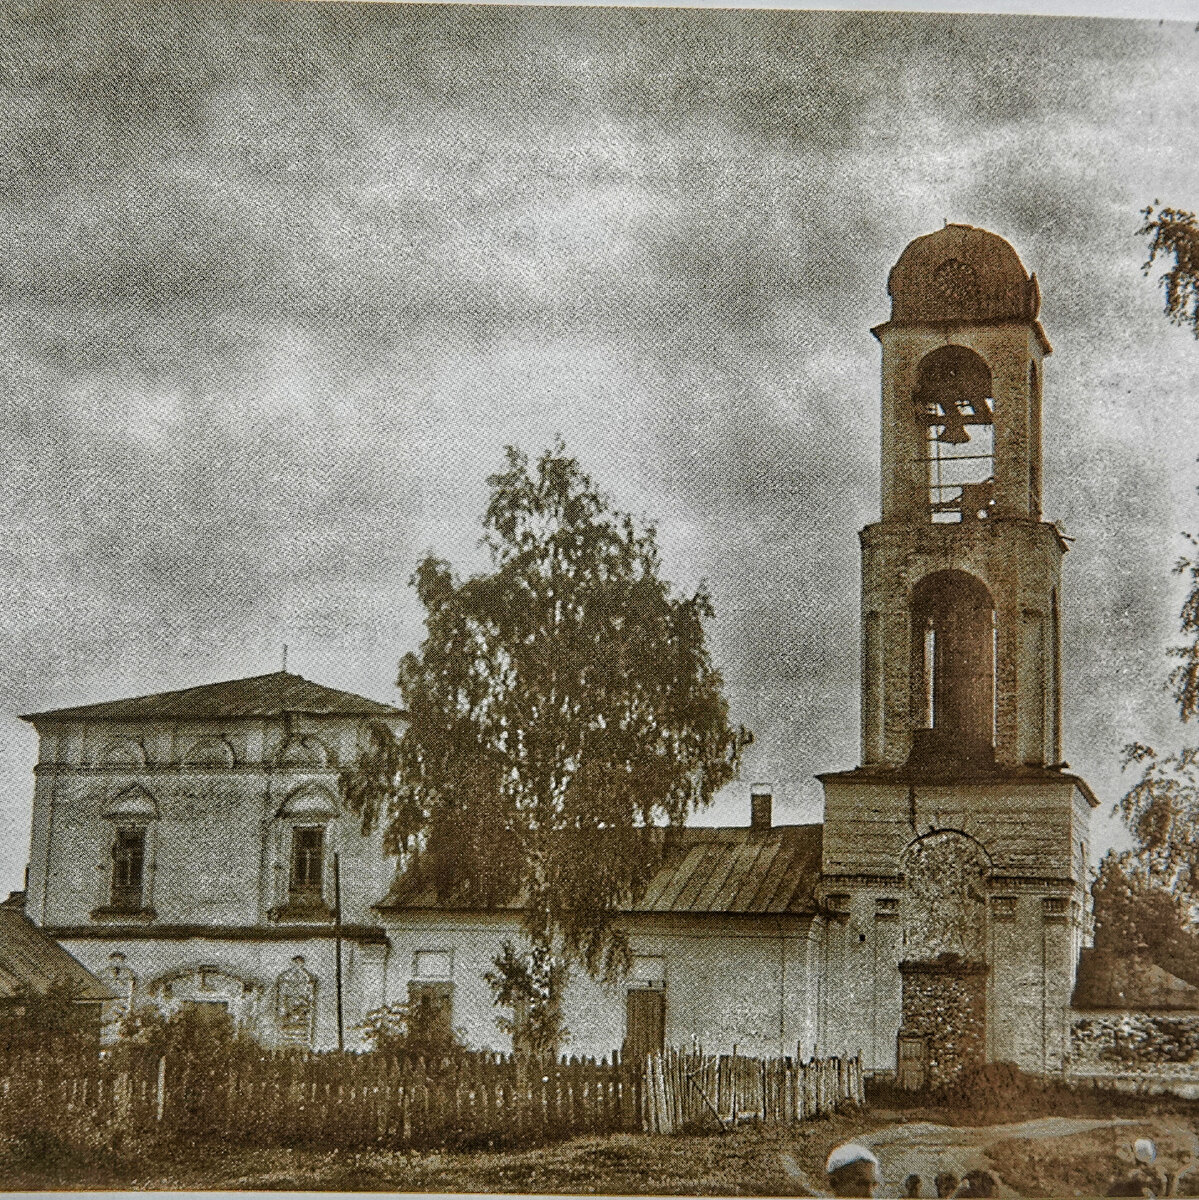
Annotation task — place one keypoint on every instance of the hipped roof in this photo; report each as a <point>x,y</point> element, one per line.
<point>256,696</point>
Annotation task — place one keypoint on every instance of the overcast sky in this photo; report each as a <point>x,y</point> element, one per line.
<point>279,282</point>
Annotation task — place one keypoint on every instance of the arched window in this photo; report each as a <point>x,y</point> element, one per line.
<point>132,812</point>
<point>306,814</point>
<point>953,401</point>
<point>953,647</point>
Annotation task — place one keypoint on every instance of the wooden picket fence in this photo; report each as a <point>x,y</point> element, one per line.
<point>342,1100</point>
<point>373,1100</point>
<point>686,1090</point>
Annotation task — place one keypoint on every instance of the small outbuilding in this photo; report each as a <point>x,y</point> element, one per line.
<point>32,963</point>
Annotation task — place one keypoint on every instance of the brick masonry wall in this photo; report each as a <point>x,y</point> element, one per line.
<point>946,1005</point>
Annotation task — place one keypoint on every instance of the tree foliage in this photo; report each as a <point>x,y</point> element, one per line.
<point>529,984</point>
<point>1162,812</point>
<point>1184,679</point>
<point>208,1035</point>
<point>1148,895</point>
<point>562,704</point>
<point>1174,234</point>
<point>409,1027</point>
<point>50,1016</point>
<point>1158,878</point>
<point>1142,916</point>
<point>368,785</point>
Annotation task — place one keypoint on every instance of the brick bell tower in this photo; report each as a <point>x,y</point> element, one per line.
<point>954,856</point>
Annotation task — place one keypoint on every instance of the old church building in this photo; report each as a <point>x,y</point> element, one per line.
<point>183,844</point>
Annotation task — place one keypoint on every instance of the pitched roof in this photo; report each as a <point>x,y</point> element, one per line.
<point>30,958</point>
<point>1135,982</point>
<point>258,696</point>
<point>706,870</point>
<point>737,870</point>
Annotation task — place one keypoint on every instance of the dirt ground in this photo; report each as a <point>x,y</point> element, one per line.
<point>1048,1156</point>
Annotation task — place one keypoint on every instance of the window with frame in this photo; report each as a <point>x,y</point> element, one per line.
<point>128,868</point>
<point>307,864</point>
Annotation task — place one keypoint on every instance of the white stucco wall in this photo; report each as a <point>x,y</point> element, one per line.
<point>218,852</point>
<point>256,965</point>
<point>744,981</point>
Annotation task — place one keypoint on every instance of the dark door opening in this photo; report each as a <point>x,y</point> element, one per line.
<point>645,1027</point>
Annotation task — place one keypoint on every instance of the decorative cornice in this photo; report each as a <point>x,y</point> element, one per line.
<point>908,967</point>
<point>846,879</point>
<point>1058,884</point>
<point>124,916</point>
<point>365,934</point>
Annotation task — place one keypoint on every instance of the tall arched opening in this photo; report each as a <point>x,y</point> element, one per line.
<point>953,668</point>
<point>953,400</point>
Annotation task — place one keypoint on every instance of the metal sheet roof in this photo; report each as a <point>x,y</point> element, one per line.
<point>704,870</point>
<point>31,959</point>
<point>257,696</point>
<point>737,871</point>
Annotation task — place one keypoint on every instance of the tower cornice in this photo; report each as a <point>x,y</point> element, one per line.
<point>947,328</point>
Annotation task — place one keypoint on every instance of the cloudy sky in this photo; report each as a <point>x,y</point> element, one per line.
<point>278,283</point>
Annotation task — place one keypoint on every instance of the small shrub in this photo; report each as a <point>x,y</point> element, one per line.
<point>402,1030</point>
<point>53,1019</point>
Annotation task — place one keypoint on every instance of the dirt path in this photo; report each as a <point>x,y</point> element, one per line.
<point>926,1149</point>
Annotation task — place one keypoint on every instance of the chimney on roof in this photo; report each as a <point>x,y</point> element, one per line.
<point>760,803</point>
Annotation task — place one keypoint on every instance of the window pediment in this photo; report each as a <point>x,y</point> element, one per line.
<point>310,800</point>
<point>307,751</point>
<point>209,752</point>
<point>134,803</point>
<point>122,752</point>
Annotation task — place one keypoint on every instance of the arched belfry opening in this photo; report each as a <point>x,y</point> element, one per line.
<point>954,403</point>
<point>953,668</point>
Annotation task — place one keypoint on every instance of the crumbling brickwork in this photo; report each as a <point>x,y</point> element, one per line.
<point>946,1003</point>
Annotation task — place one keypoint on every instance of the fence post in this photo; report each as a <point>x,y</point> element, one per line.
<point>735,1081</point>
<point>160,1094</point>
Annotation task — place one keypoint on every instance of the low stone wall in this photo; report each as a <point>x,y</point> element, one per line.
<point>1150,1052</point>
<point>1128,1039</point>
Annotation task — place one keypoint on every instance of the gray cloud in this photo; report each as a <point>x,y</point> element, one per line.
<point>277,283</point>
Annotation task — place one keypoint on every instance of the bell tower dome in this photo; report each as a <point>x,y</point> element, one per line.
<point>961,577</point>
